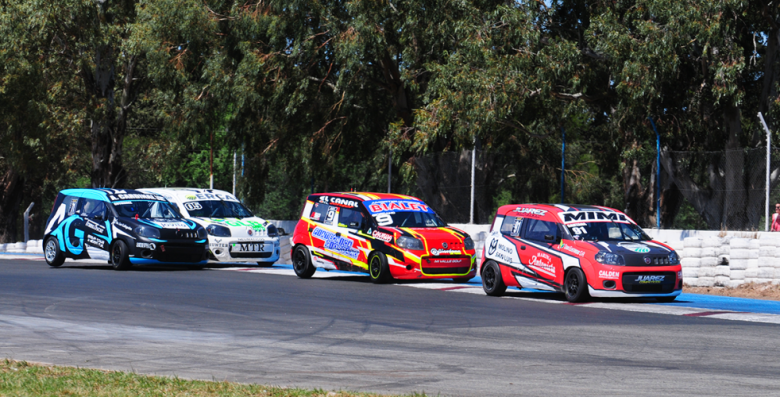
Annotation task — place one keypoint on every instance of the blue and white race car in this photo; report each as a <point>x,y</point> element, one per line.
<point>124,226</point>
<point>234,233</point>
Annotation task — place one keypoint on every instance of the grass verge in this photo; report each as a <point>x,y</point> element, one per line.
<point>20,378</point>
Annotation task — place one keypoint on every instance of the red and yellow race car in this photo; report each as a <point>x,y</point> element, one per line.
<point>579,250</point>
<point>388,236</point>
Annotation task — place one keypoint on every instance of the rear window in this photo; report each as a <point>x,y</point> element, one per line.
<point>323,213</point>
<point>512,226</point>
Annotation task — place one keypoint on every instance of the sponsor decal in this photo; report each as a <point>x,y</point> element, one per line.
<point>316,216</point>
<point>543,263</point>
<point>336,243</point>
<point>530,211</point>
<point>381,206</point>
<point>193,206</point>
<point>502,252</point>
<point>150,246</point>
<point>135,196</point>
<point>191,197</point>
<point>211,196</point>
<point>251,239</point>
<point>122,226</point>
<point>592,216</point>
<point>444,252</point>
<point>96,242</point>
<point>609,274</point>
<point>172,225</point>
<point>249,231</point>
<point>339,201</point>
<point>218,244</point>
<point>649,279</point>
<point>648,260</point>
<point>382,236</point>
<point>72,208</point>
<point>571,249</point>
<point>95,226</point>
<point>639,248</point>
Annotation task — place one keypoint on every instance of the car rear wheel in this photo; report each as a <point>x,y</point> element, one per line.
<point>379,268</point>
<point>575,286</point>
<point>265,264</point>
<point>666,298</point>
<point>492,282</point>
<point>54,257</point>
<point>302,262</point>
<point>120,256</point>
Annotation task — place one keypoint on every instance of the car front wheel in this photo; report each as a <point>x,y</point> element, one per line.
<point>575,286</point>
<point>379,268</point>
<point>120,256</point>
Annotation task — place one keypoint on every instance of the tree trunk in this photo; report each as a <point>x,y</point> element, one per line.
<point>108,132</point>
<point>11,186</point>
<point>733,215</point>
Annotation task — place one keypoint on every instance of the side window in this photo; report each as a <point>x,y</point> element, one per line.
<point>536,229</point>
<point>323,213</point>
<point>73,205</point>
<point>512,226</point>
<point>351,218</point>
<point>93,209</point>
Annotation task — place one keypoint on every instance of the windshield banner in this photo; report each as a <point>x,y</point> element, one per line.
<point>593,216</point>
<point>382,206</point>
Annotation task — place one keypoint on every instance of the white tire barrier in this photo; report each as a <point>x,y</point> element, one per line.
<point>691,252</point>
<point>705,281</point>
<point>739,264</point>
<point>739,253</point>
<point>739,243</point>
<point>690,262</point>
<point>692,242</point>
<point>766,272</point>
<point>722,271</point>
<point>690,272</point>
<point>704,271</point>
<point>710,261</point>
<point>737,274</point>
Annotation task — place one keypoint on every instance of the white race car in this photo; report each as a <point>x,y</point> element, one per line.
<point>234,233</point>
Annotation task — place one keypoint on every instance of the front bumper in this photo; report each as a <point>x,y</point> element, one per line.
<point>183,251</point>
<point>600,293</point>
<point>222,252</point>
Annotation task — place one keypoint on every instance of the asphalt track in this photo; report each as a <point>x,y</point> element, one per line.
<point>345,333</point>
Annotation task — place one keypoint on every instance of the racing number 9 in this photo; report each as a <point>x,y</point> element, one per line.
<point>384,219</point>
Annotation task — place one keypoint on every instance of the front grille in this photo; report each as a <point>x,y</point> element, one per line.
<point>180,253</point>
<point>639,260</point>
<point>186,234</point>
<point>649,282</point>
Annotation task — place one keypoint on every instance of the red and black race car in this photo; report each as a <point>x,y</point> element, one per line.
<point>579,250</point>
<point>388,236</point>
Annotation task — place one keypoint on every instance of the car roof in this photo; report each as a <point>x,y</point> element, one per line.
<point>100,194</point>
<point>369,196</point>
<point>191,194</point>
<point>549,212</point>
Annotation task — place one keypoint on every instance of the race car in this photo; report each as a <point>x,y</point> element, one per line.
<point>388,236</point>
<point>234,233</point>
<point>579,250</point>
<point>125,226</point>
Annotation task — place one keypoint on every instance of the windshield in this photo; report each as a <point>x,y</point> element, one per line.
<point>146,209</point>
<point>217,209</point>
<point>607,231</point>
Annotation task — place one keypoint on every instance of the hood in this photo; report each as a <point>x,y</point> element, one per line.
<point>240,227</point>
<point>635,253</point>
<point>438,240</point>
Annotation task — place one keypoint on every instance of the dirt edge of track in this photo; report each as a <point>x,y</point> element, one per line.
<point>767,291</point>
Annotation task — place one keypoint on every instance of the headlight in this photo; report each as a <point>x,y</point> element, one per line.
<point>219,231</point>
<point>674,259</point>
<point>148,232</point>
<point>610,259</point>
<point>272,232</point>
<point>468,243</point>
<point>409,243</point>
<point>201,232</point>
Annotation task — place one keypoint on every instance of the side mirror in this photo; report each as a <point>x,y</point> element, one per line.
<point>550,238</point>
<point>98,217</point>
<point>281,231</point>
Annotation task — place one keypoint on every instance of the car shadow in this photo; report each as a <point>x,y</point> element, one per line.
<point>137,268</point>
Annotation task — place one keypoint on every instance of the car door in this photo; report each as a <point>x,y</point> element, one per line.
<point>96,226</point>
<point>538,254</point>
<point>350,222</point>
<point>323,217</point>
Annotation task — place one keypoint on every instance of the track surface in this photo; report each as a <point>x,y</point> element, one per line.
<point>346,333</point>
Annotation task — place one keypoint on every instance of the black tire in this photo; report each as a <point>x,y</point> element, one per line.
<point>462,279</point>
<point>51,250</point>
<point>120,256</point>
<point>302,262</point>
<point>492,281</point>
<point>265,264</point>
<point>378,268</point>
<point>575,287</point>
<point>666,298</point>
